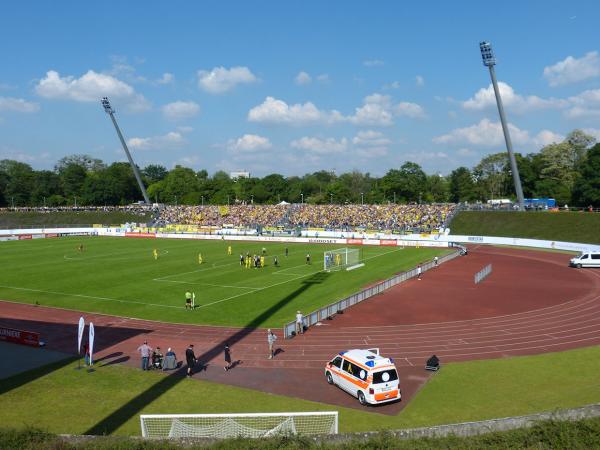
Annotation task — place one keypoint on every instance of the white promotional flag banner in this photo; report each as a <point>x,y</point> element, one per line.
<point>80,334</point>
<point>91,343</point>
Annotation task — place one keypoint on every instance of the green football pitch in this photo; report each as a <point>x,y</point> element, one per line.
<point>120,276</point>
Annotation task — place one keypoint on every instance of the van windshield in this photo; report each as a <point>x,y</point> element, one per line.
<point>385,376</point>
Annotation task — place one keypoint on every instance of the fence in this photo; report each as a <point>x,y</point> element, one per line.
<point>330,310</point>
<point>480,276</point>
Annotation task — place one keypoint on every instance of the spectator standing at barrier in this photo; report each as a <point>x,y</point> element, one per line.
<point>190,359</point>
<point>435,261</point>
<point>299,323</point>
<point>419,271</point>
<point>227,356</point>
<point>86,354</point>
<point>271,338</point>
<point>145,351</point>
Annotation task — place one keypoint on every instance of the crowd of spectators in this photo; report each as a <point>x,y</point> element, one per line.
<point>213,215</point>
<point>380,217</point>
<point>133,209</point>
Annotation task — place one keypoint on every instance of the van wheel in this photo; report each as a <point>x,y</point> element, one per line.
<point>578,266</point>
<point>329,378</point>
<point>361,398</point>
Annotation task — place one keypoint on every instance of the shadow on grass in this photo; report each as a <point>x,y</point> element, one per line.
<point>113,421</point>
<point>20,379</point>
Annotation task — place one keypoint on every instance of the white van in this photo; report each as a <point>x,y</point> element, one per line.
<point>586,259</point>
<point>366,375</point>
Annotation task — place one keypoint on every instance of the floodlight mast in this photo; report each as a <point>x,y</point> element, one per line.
<point>489,60</point>
<point>111,112</point>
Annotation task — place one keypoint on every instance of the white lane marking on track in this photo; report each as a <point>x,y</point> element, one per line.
<point>87,296</point>
<point>283,282</point>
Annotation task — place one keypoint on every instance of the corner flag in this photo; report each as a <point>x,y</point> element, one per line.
<point>193,299</point>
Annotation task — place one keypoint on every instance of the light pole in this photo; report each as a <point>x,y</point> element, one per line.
<point>362,198</point>
<point>175,200</point>
<point>302,196</point>
<point>252,199</point>
<point>331,199</point>
<point>75,201</point>
<point>489,60</point>
<point>228,200</point>
<point>202,200</point>
<point>111,112</point>
<point>12,201</point>
<point>394,198</point>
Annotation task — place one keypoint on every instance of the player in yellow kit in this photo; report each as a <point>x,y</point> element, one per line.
<point>200,260</point>
<point>262,261</point>
<point>155,254</point>
<point>229,252</point>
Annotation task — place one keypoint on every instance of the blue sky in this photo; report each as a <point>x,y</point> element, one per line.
<point>294,87</point>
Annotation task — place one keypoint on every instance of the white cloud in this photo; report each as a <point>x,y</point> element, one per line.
<point>573,70</point>
<point>373,63</point>
<point>419,80</point>
<point>18,105</point>
<point>90,87</point>
<point>370,138</point>
<point>166,78</point>
<point>465,152</point>
<point>180,110</point>
<point>220,79</point>
<point>320,146</point>
<point>24,157</point>
<point>485,133</point>
<point>323,78</point>
<point>170,140</point>
<point>277,111</point>
<point>376,111</point>
<point>392,85</point>
<point>489,134</point>
<point>585,104</point>
<point>249,143</point>
<point>302,78</point>
<point>411,110</point>
<point>485,98</point>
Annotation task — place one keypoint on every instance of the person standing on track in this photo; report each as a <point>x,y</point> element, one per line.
<point>145,351</point>
<point>419,271</point>
<point>227,356</point>
<point>435,261</point>
<point>299,323</point>
<point>190,359</point>
<point>271,338</point>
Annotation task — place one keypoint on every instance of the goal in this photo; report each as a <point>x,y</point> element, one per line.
<point>341,258</point>
<point>221,426</point>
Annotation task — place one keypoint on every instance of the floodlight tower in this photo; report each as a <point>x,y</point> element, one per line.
<point>111,112</point>
<point>489,60</point>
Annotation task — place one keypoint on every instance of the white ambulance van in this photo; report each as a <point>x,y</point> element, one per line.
<point>586,259</point>
<point>366,375</point>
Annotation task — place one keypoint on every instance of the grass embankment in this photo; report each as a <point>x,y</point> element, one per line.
<point>74,402</point>
<point>554,226</point>
<point>581,434</point>
<point>120,276</point>
<point>11,219</point>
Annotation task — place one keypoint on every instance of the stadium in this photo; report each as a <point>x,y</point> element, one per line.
<point>311,249</point>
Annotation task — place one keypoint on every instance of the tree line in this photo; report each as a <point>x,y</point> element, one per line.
<point>568,171</point>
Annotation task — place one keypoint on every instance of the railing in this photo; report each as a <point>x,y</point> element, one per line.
<point>330,310</point>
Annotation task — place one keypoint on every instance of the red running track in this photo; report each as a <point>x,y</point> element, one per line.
<point>531,303</point>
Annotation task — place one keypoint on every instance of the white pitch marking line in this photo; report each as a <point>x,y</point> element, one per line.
<point>87,296</point>
<point>204,284</point>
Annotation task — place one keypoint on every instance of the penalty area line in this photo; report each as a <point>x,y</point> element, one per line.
<point>108,299</point>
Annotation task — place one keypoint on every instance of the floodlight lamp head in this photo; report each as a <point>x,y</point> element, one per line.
<point>487,54</point>
<point>106,104</point>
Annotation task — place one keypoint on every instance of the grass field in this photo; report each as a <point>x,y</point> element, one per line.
<point>460,392</point>
<point>22,219</point>
<point>120,276</point>
<point>554,226</point>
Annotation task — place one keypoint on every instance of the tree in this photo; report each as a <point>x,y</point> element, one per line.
<point>462,187</point>
<point>491,176</point>
<point>587,187</point>
<point>438,189</point>
<point>46,184</point>
<point>155,172</point>
<point>73,177</point>
<point>413,182</point>
<point>89,163</point>
<point>19,182</point>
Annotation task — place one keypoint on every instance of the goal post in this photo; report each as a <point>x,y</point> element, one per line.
<point>222,426</point>
<point>341,258</point>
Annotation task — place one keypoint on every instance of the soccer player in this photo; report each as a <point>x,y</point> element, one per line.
<point>229,250</point>
<point>338,259</point>
<point>80,248</point>
<point>275,261</point>
<point>188,300</point>
<point>264,251</point>
<point>242,260</point>
<point>286,252</point>
<point>155,254</point>
<point>308,258</point>
<point>200,260</point>
<point>262,261</point>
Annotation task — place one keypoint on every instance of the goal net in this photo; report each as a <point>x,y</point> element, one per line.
<point>341,258</point>
<point>237,425</point>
